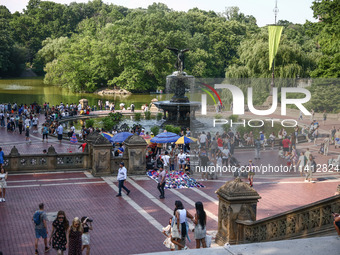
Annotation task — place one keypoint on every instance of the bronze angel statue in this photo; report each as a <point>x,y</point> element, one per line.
<point>179,65</point>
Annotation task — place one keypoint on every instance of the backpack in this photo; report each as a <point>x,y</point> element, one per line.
<point>36,217</point>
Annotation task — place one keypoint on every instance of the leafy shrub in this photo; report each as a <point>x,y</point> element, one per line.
<point>155,130</point>
<point>147,115</point>
<point>138,116</point>
<point>159,116</point>
<point>173,129</point>
<point>89,123</point>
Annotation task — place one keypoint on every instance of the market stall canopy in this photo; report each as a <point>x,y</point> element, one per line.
<point>185,140</point>
<point>166,137</point>
<point>120,137</point>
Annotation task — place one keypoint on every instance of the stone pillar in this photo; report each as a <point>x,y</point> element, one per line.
<point>101,156</point>
<point>84,103</point>
<point>90,140</point>
<point>52,158</point>
<point>135,150</point>
<point>14,157</point>
<point>237,201</point>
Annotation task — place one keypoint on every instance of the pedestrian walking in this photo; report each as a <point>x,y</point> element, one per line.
<point>58,238</point>
<point>324,116</point>
<point>74,234</point>
<point>257,148</point>
<point>39,219</point>
<point>3,183</point>
<point>44,131</point>
<point>326,142</point>
<point>85,238</point>
<point>302,162</point>
<point>161,182</point>
<point>60,130</point>
<point>181,228</point>
<point>27,134</point>
<point>251,173</point>
<point>200,221</point>
<point>121,177</point>
<point>309,169</point>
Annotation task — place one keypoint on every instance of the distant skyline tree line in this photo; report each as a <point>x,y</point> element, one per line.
<point>86,46</point>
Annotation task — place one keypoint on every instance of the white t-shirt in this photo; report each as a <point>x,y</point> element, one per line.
<point>35,121</point>
<point>203,138</point>
<point>225,153</point>
<point>27,122</point>
<point>166,160</point>
<point>302,160</point>
<point>181,158</point>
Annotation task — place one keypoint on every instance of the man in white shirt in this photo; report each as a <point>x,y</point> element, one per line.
<point>60,130</point>
<point>225,155</point>
<point>121,177</point>
<point>203,139</point>
<point>166,161</point>
<point>35,122</point>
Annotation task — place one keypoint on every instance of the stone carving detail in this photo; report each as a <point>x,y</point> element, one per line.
<point>6,162</point>
<point>102,163</point>
<point>70,160</point>
<point>237,188</point>
<point>226,213</point>
<point>295,224</point>
<point>246,213</point>
<point>101,140</point>
<point>14,152</point>
<point>51,150</point>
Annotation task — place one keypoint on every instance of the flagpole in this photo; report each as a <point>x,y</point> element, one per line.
<point>276,10</point>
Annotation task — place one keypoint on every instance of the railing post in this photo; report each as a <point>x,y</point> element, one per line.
<point>135,150</point>
<point>237,201</point>
<point>52,158</point>
<point>14,157</point>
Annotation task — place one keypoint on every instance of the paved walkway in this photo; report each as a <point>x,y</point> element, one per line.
<point>131,224</point>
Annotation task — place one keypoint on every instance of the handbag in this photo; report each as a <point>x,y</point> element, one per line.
<point>174,231</point>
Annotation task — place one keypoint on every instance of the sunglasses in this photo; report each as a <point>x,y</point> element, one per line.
<point>61,217</point>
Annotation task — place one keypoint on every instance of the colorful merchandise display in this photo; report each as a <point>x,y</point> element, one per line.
<point>176,180</point>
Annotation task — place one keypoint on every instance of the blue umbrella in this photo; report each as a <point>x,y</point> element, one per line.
<point>108,136</point>
<point>120,137</point>
<point>166,137</point>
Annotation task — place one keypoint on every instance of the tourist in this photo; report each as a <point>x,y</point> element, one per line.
<point>60,130</point>
<point>286,143</point>
<point>312,114</point>
<point>251,172</point>
<point>44,131</point>
<point>167,232</point>
<point>324,117</point>
<point>132,107</point>
<point>272,140</point>
<point>20,125</point>
<point>257,148</point>
<point>121,177</point>
<point>166,161</point>
<point>302,163</point>
<point>180,217</point>
<point>181,160</point>
<point>336,222</point>
<point>161,182</point>
<point>332,133</point>
<point>3,183</point>
<point>200,221</point>
<point>203,139</point>
<point>58,235</point>
<point>326,142</point>
<point>74,234</point>
<point>309,168</point>
<point>35,122</point>
<point>107,105</point>
<point>204,159</point>
<point>85,238</point>
<point>295,158</point>
<point>281,152</point>
<point>2,155</point>
<point>39,219</point>
<point>315,135</point>
<point>225,155</point>
<point>27,134</point>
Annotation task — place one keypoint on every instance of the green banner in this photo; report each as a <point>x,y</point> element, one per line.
<point>274,40</point>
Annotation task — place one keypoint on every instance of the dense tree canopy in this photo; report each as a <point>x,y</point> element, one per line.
<point>83,46</point>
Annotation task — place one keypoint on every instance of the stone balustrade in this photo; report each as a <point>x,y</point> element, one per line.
<point>310,220</point>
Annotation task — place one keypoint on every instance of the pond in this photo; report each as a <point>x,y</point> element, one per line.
<point>27,91</point>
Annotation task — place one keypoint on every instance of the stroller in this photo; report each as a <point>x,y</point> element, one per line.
<point>322,149</point>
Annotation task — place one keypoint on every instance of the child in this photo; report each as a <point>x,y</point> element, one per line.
<point>187,167</point>
<point>167,232</point>
<point>281,152</point>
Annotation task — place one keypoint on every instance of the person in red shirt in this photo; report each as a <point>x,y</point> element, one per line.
<point>220,143</point>
<point>285,144</point>
<point>83,145</point>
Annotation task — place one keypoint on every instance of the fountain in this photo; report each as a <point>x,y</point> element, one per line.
<point>179,110</point>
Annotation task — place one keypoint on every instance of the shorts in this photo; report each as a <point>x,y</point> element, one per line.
<point>3,184</point>
<point>286,149</point>
<point>40,233</point>
<point>85,239</point>
<point>35,125</point>
<point>45,136</point>
<point>60,137</point>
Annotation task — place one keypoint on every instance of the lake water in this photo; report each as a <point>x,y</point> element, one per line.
<point>30,90</point>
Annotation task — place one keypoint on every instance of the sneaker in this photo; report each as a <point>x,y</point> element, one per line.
<point>0,200</point>
<point>36,252</point>
<point>306,180</point>
<point>128,192</point>
<point>3,200</point>
<point>119,195</point>
<point>47,249</point>
<point>185,248</point>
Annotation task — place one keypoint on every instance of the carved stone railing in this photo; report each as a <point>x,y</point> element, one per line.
<point>306,221</point>
<point>51,161</point>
